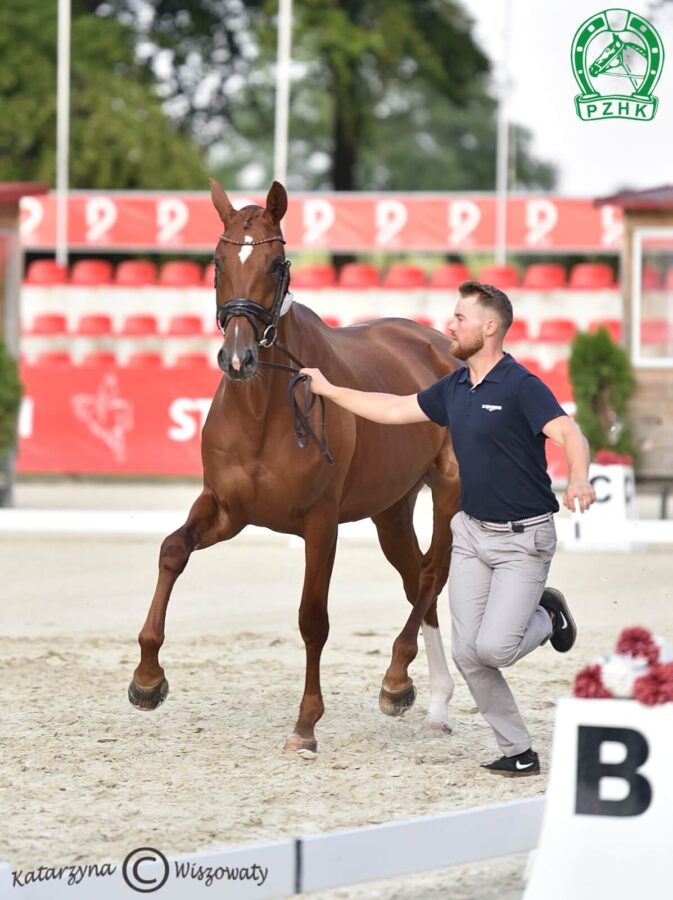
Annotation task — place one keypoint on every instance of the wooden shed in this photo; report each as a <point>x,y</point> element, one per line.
<point>647,334</point>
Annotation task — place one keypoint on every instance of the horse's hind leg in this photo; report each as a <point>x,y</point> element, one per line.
<point>398,541</point>
<point>206,524</point>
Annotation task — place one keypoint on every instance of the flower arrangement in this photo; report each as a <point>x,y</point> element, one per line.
<point>610,458</point>
<point>641,668</point>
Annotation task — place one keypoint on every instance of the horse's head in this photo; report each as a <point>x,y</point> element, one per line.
<point>251,279</point>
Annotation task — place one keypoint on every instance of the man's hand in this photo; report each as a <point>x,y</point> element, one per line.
<point>583,491</point>
<point>318,383</point>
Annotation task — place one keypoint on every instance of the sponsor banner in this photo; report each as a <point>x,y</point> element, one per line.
<point>348,222</point>
<point>85,420</point>
<point>91,420</point>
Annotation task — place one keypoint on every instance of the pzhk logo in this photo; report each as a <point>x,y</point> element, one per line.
<point>617,58</point>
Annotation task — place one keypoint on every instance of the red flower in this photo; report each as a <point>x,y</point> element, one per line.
<point>638,642</point>
<point>588,684</point>
<point>610,458</point>
<point>656,686</point>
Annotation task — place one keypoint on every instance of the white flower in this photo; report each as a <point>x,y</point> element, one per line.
<point>665,650</point>
<point>619,672</point>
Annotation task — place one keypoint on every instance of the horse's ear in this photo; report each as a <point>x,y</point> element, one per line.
<point>276,202</point>
<point>221,201</point>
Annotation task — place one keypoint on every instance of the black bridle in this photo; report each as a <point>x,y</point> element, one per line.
<point>267,336</point>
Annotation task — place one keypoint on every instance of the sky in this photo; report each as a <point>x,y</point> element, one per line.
<point>593,158</point>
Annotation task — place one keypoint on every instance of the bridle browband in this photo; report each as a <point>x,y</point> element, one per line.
<point>254,312</point>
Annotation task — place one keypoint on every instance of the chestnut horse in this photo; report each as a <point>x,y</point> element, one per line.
<point>254,472</point>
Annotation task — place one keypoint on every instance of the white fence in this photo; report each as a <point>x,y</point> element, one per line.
<point>293,866</point>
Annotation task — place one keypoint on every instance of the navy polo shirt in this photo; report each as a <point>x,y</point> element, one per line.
<point>497,438</point>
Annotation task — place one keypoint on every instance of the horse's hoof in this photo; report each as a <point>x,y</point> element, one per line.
<point>305,747</point>
<point>397,704</point>
<point>437,727</point>
<point>148,699</point>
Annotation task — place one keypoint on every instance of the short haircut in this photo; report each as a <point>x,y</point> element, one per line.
<point>491,298</point>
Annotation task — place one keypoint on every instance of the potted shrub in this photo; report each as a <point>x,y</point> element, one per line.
<point>10,401</point>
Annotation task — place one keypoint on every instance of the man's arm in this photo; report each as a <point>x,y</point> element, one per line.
<point>564,432</point>
<point>389,409</point>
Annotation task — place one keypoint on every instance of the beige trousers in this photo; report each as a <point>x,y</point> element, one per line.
<point>495,584</point>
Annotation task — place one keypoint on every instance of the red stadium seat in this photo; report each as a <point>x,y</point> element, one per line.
<point>613,326</point>
<point>518,331</point>
<point>532,365</point>
<point>401,275</point>
<point>424,320</point>
<point>181,273</point>
<point>208,277</point>
<point>145,361</point>
<point>668,281</point>
<point>332,321</point>
<point>544,276</point>
<point>449,275</point>
<point>99,359</point>
<point>192,361</point>
<point>558,381</point>
<point>591,277</point>
<point>93,326</point>
<point>557,331</point>
<point>91,272</point>
<point>656,331</point>
<point>650,278</point>
<point>46,271</point>
<point>48,323</point>
<point>185,326</point>
<point>502,277</point>
<point>135,273</point>
<point>139,326</point>
<point>315,276</point>
<point>53,358</point>
<point>359,275</point>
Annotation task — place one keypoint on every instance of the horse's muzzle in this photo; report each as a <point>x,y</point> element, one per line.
<point>235,367</point>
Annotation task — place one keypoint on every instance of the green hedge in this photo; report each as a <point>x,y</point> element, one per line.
<point>10,400</point>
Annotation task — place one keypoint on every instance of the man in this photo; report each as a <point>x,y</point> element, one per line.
<point>504,538</point>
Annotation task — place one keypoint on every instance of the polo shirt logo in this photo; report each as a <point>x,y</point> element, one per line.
<point>491,407</point>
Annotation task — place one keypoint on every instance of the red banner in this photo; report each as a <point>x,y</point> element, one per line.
<point>348,222</point>
<point>89,420</point>
<point>82,420</point>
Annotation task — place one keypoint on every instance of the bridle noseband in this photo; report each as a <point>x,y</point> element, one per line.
<point>255,313</point>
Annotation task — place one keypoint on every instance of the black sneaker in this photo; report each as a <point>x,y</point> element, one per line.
<point>526,763</point>
<point>564,630</point>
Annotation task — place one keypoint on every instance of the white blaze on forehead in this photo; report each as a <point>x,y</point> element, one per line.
<point>246,250</point>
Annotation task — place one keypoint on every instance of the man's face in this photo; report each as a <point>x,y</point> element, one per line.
<point>466,328</point>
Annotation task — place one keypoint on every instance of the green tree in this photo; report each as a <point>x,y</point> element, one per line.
<point>387,94</point>
<point>603,381</point>
<point>120,135</point>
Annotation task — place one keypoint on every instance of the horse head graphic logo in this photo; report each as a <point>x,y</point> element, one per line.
<point>107,415</point>
<point>617,58</point>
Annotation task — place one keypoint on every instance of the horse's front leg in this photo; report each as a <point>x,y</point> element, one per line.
<point>206,524</point>
<point>320,537</point>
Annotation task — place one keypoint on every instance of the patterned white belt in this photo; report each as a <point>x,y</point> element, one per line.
<point>517,526</point>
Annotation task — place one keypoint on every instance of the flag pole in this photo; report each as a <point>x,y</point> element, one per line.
<point>280,140</point>
<point>502,146</point>
<point>62,130</point>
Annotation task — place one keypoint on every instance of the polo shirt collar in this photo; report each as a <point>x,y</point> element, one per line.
<point>497,373</point>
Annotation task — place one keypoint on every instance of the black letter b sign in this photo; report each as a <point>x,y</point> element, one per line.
<point>590,771</point>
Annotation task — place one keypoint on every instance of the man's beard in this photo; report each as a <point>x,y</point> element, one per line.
<point>468,348</point>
